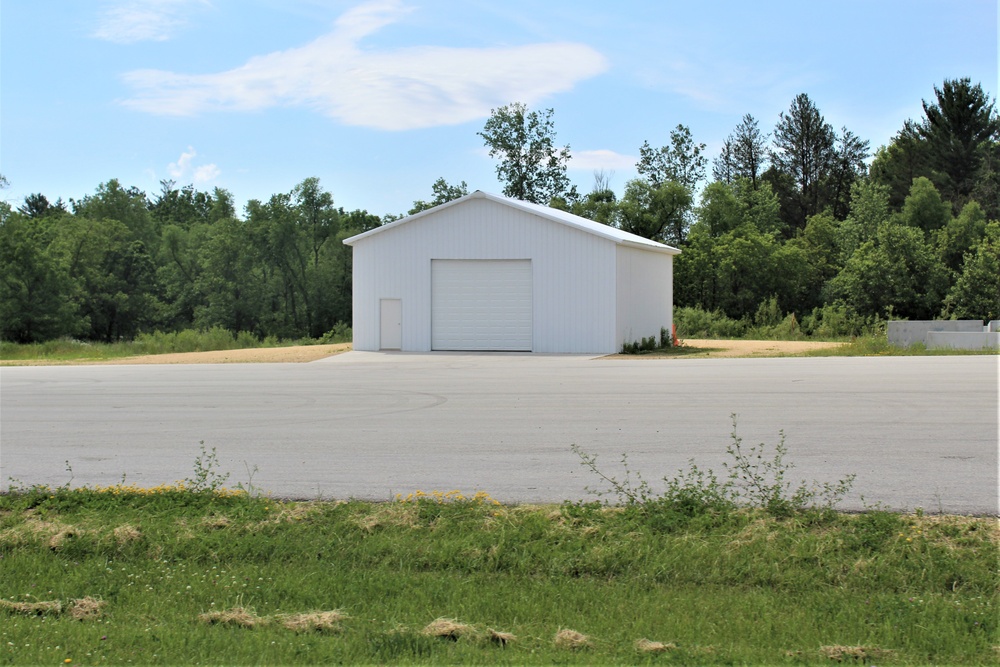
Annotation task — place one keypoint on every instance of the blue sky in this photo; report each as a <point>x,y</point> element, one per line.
<point>378,99</point>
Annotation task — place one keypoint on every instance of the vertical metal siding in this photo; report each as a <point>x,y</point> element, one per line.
<point>645,294</point>
<point>573,274</point>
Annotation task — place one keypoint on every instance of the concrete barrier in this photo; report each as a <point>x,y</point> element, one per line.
<point>904,333</point>
<point>960,340</point>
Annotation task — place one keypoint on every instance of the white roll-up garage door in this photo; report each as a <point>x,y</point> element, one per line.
<point>481,305</point>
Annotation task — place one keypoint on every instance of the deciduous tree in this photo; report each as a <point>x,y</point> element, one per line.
<point>34,284</point>
<point>112,273</point>
<point>682,161</point>
<point>532,168</point>
<point>443,193</point>
<point>924,208</point>
<point>869,211</point>
<point>976,293</point>
<point>128,206</point>
<point>961,235</point>
<point>656,213</point>
<point>897,272</point>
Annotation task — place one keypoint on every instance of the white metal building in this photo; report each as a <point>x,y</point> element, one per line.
<point>489,273</point>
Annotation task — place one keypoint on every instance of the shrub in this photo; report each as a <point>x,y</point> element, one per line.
<point>649,343</point>
<point>768,314</point>
<point>698,323</point>
<point>340,333</point>
<point>246,339</point>
<point>666,338</point>
<point>837,320</point>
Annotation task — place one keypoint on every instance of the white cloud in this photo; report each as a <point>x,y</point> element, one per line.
<point>184,170</point>
<point>183,164</point>
<point>389,90</point>
<point>130,21</point>
<point>206,173</point>
<point>602,159</point>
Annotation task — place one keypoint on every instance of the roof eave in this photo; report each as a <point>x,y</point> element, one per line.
<point>651,246</point>
<point>664,249</point>
<point>402,221</point>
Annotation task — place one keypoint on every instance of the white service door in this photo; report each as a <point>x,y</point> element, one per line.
<point>390,324</point>
<point>481,305</point>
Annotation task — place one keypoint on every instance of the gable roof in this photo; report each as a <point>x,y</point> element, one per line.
<point>555,215</point>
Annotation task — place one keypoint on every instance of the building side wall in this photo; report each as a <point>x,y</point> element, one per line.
<point>645,289</point>
<point>573,274</point>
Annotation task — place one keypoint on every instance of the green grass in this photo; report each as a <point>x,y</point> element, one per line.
<point>870,346</point>
<point>728,586</point>
<point>216,338</point>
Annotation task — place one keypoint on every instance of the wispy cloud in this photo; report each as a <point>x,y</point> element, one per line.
<point>389,90</point>
<point>724,83</point>
<point>185,170</point>
<point>130,21</point>
<point>602,159</point>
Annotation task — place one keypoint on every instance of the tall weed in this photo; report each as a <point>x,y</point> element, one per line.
<point>755,478</point>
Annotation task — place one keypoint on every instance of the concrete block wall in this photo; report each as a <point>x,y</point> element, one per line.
<point>904,333</point>
<point>961,340</point>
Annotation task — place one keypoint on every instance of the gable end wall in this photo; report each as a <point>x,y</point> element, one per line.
<point>573,274</point>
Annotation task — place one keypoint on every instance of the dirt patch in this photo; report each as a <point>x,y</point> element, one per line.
<point>760,348</point>
<point>709,349</point>
<point>259,355</point>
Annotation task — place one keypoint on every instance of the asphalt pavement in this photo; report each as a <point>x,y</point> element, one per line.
<point>916,431</point>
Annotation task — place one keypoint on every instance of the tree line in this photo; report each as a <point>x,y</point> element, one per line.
<point>797,220</point>
<point>118,263</point>
<point>801,220</point>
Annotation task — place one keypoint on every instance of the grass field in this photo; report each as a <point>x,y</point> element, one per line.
<point>157,343</point>
<point>173,575</point>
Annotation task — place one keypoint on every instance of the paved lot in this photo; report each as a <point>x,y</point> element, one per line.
<point>917,431</point>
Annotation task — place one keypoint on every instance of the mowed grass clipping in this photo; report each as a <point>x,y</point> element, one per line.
<point>183,576</point>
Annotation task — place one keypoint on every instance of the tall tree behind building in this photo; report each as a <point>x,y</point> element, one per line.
<point>532,167</point>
